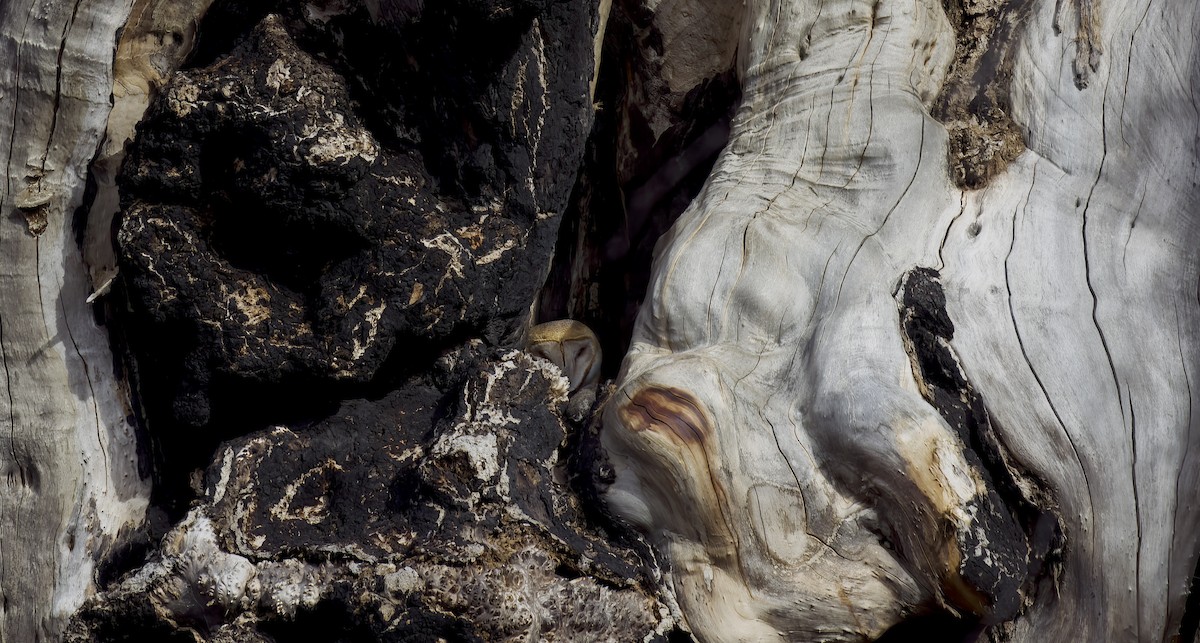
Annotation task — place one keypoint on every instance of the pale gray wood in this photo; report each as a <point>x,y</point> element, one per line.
<point>768,425</point>
<point>1080,315</point>
<point>69,456</point>
<point>782,426</point>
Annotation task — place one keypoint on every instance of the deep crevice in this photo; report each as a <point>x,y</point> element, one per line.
<point>974,103</point>
<point>1019,560</point>
<point>937,626</point>
<point>628,196</point>
<point>1189,627</point>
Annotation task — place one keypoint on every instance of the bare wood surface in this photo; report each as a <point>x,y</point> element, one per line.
<point>857,391</point>
<point>68,452</point>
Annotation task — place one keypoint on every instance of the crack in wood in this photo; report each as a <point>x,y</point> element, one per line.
<point>12,420</point>
<point>92,390</point>
<point>58,72</point>
<point>17,93</point>
<point>1014,544</point>
<point>962,207</point>
<point>916,170</point>
<point>1191,612</point>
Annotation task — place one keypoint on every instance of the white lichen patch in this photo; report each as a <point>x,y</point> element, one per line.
<point>182,96</point>
<point>489,412</point>
<point>405,580</point>
<point>496,253</point>
<point>245,501</point>
<point>284,510</point>
<point>223,481</point>
<point>560,385</point>
<point>481,451</point>
<point>525,600</point>
<point>487,415</point>
<point>455,251</point>
<point>289,585</point>
<point>191,553</point>
<point>279,76</point>
<point>371,318</point>
<point>336,143</point>
<point>196,580</point>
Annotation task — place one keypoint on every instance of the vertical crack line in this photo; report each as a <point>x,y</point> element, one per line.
<point>752,83</point>
<point>1187,445</point>
<point>1132,224</point>
<point>812,313</point>
<point>12,418</point>
<point>16,92</point>
<point>58,73</point>
<point>1087,267</point>
<point>91,389</point>
<point>1129,68</point>
<point>962,207</point>
<point>12,445</point>
<point>1025,353</point>
<point>37,273</point>
<point>1104,340</point>
<point>870,87</point>
<point>1137,517</point>
<point>786,460</point>
<point>713,293</point>
<point>892,210</point>
<point>677,257</point>
<point>737,280</point>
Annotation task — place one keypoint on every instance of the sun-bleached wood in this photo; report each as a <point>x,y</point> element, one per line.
<point>1079,315</point>
<point>68,452</point>
<point>769,430</point>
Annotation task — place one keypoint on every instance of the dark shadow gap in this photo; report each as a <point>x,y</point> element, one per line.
<point>1190,625</point>
<point>629,195</point>
<point>934,627</point>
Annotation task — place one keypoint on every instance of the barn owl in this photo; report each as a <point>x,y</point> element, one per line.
<point>572,347</point>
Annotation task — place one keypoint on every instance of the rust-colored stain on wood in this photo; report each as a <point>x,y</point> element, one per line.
<point>657,407</point>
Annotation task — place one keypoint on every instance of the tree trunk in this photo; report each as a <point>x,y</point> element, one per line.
<point>71,467</point>
<point>917,356</point>
<point>858,391</point>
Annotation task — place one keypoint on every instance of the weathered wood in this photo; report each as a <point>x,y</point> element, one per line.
<point>72,478</point>
<point>857,391</point>
<point>824,439</point>
<point>1089,244</point>
<point>70,481</point>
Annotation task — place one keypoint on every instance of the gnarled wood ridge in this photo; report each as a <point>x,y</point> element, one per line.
<point>857,391</point>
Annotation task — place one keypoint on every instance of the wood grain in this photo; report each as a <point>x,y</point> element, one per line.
<point>834,493</point>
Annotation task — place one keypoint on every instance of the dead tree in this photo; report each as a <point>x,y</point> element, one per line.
<point>926,338</point>
<point>921,347</point>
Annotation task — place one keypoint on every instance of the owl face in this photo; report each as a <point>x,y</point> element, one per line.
<point>571,346</point>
